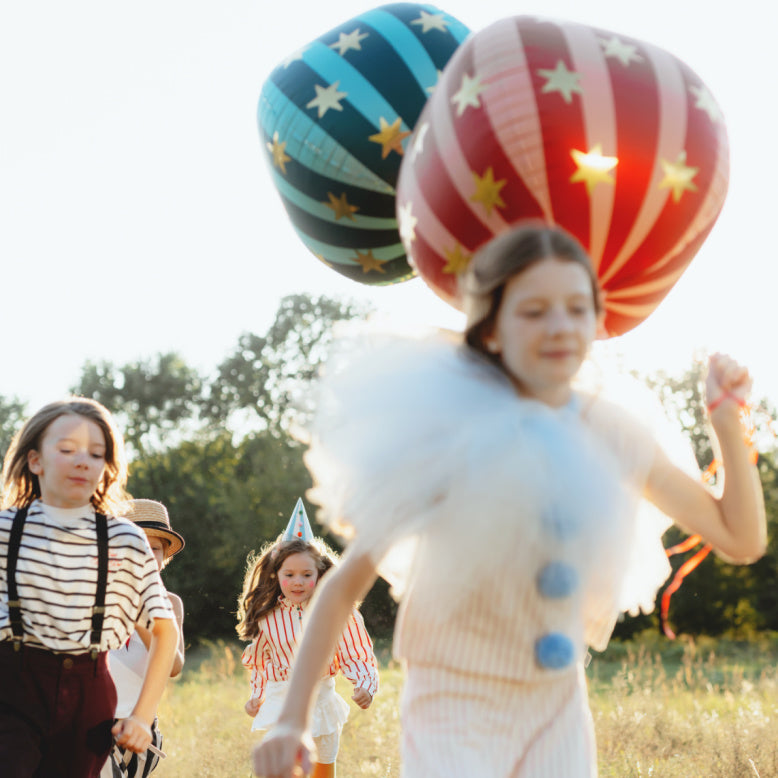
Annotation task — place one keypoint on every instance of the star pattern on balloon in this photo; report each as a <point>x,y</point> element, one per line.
<point>321,259</point>
<point>428,21</point>
<point>369,262</point>
<point>592,167</point>
<point>487,190</point>
<point>406,224</point>
<point>626,53</point>
<point>561,80</point>
<point>417,147</point>
<point>341,206</point>
<point>678,176</point>
<point>390,137</point>
<point>350,42</point>
<point>326,98</point>
<point>705,102</point>
<point>456,260</point>
<point>277,150</point>
<point>468,93</point>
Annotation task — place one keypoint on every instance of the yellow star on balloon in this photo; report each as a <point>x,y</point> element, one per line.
<point>487,190</point>
<point>369,262</point>
<point>678,176</point>
<point>456,260</point>
<point>593,167</point>
<point>341,206</point>
<point>278,152</point>
<point>390,137</point>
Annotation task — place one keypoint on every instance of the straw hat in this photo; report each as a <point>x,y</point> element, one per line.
<point>152,517</point>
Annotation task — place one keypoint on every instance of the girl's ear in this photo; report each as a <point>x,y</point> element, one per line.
<point>491,344</point>
<point>34,462</point>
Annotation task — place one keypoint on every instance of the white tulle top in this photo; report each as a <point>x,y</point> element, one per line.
<point>514,532</point>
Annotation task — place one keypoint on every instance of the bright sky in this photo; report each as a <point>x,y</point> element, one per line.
<point>137,214</point>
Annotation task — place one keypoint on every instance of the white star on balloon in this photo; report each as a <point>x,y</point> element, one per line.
<point>348,42</point>
<point>705,102</point>
<point>468,93</point>
<point>431,22</point>
<point>326,98</point>
<point>624,52</point>
<point>406,223</point>
<point>561,80</point>
<point>418,140</point>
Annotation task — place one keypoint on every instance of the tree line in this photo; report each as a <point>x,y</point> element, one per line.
<point>218,451</point>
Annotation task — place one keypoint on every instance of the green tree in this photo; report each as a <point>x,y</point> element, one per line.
<point>154,400</point>
<point>12,415</point>
<point>258,382</point>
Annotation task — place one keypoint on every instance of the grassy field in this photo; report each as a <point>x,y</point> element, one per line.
<point>704,709</point>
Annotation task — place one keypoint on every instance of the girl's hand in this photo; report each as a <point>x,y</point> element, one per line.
<point>252,706</point>
<point>362,697</point>
<point>283,753</point>
<point>726,380</point>
<point>133,734</point>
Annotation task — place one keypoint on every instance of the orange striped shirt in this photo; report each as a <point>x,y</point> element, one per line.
<point>270,655</point>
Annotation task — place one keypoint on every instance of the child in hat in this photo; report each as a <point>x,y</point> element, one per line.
<point>515,496</point>
<point>272,610</point>
<point>128,663</point>
<point>75,581</point>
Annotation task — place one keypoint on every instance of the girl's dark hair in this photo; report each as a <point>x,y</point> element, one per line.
<point>21,486</point>
<point>261,589</point>
<point>504,257</point>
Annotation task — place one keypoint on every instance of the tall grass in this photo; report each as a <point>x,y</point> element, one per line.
<point>686,709</point>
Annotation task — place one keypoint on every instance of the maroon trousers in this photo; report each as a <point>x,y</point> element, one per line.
<point>56,713</point>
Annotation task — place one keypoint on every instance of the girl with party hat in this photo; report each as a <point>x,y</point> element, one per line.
<point>272,611</point>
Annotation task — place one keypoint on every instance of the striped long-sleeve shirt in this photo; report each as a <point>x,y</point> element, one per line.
<point>56,578</point>
<point>270,655</point>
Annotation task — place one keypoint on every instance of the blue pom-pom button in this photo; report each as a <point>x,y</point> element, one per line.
<point>557,580</point>
<point>554,651</point>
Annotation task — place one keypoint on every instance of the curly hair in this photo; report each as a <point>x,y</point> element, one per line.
<point>261,589</point>
<point>21,486</point>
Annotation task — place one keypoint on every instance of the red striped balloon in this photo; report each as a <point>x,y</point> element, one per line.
<point>611,138</point>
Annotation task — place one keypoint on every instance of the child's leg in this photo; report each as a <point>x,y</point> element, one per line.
<point>326,754</point>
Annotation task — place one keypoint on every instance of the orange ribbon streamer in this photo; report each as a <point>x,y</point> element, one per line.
<point>749,428</point>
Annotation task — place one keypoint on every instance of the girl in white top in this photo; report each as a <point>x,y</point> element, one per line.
<point>273,611</point>
<point>506,504</point>
<point>128,664</point>
<point>66,469</point>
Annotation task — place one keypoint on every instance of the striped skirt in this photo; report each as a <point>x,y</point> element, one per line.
<point>463,725</point>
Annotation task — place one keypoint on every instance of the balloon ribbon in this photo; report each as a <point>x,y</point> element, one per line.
<point>685,545</point>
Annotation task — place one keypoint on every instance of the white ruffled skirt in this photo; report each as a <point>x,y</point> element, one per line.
<point>329,714</point>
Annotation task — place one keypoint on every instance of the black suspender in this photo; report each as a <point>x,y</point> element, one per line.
<point>98,609</point>
<point>14,604</point>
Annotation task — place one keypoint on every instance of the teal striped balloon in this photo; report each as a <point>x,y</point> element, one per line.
<point>335,118</point>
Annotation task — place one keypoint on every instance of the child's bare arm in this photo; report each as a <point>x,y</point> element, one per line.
<point>134,732</point>
<point>734,523</point>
